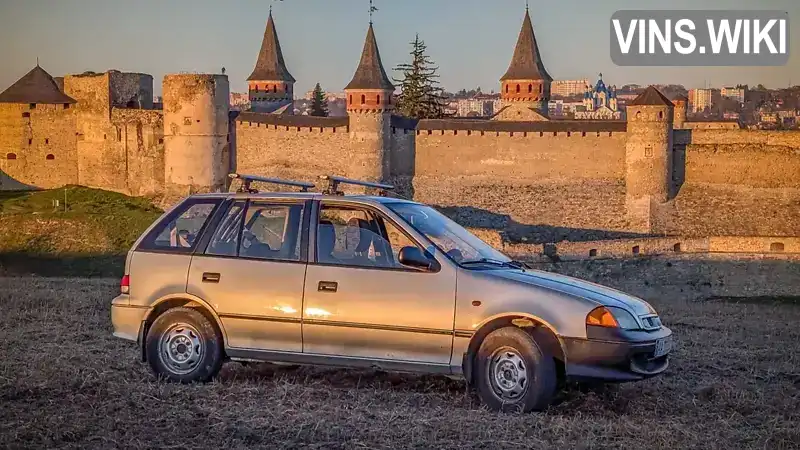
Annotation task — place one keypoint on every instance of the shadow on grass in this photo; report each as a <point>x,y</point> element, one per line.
<point>79,265</point>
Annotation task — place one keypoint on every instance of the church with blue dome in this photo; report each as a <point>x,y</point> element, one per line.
<point>600,102</point>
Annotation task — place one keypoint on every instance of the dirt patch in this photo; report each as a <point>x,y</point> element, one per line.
<point>66,382</point>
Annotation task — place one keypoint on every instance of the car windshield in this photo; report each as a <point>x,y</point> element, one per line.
<point>451,238</point>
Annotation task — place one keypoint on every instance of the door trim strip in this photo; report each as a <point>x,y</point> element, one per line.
<point>329,323</point>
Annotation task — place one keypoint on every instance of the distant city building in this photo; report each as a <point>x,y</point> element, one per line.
<point>240,101</point>
<point>569,88</point>
<point>600,103</point>
<point>700,99</point>
<point>562,109</point>
<point>730,115</point>
<point>734,93</point>
<point>330,96</point>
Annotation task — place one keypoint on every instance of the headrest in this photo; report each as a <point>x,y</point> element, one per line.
<point>365,233</point>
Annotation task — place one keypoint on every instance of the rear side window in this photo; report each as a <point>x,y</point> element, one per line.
<point>181,229</point>
<point>270,232</point>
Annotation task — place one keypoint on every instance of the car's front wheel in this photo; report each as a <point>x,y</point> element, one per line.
<point>513,373</point>
<point>184,346</point>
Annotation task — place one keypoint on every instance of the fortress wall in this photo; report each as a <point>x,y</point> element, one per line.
<point>570,185</point>
<point>43,140</point>
<point>738,182</point>
<point>124,153</point>
<point>292,152</point>
<point>758,159</point>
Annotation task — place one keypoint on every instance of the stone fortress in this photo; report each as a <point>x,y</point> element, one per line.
<point>539,180</point>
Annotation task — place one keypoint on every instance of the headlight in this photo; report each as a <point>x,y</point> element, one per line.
<point>611,317</point>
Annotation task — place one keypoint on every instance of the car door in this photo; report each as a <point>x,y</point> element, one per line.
<point>252,272</point>
<point>360,303</point>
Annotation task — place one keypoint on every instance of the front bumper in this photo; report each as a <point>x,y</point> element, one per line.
<point>126,320</point>
<point>615,355</point>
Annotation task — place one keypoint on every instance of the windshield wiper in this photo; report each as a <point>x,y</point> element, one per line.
<point>512,264</point>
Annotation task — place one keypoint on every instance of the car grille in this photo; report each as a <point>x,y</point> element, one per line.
<point>651,322</point>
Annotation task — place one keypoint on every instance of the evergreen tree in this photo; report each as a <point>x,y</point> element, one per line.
<point>319,104</point>
<point>421,97</point>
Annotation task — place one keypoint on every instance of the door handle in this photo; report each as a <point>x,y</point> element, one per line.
<point>328,286</point>
<point>209,277</point>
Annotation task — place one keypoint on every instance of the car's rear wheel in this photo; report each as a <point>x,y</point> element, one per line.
<point>184,346</point>
<point>513,373</point>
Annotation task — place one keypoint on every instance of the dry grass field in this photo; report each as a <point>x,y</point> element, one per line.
<point>66,383</point>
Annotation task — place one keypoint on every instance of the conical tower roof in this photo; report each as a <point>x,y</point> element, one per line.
<point>370,73</point>
<point>270,65</point>
<point>37,86</point>
<point>526,63</point>
<point>651,97</point>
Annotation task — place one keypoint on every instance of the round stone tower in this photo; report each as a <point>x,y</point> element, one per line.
<point>648,158</point>
<point>681,101</point>
<point>526,81</point>
<point>196,109</point>
<point>271,86</point>
<point>369,105</point>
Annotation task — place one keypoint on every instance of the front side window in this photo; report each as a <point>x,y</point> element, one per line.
<point>181,229</point>
<point>359,238</point>
<point>269,232</point>
<point>272,232</point>
<point>451,238</point>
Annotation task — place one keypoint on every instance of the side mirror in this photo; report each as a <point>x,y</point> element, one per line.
<point>414,257</point>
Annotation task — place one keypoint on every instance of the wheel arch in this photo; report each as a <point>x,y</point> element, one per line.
<point>185,300</point>
<point>539,329</point>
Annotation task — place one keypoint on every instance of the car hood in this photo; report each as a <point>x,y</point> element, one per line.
<point>601,295</point>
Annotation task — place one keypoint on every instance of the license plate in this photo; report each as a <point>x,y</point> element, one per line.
<point>663,346</point>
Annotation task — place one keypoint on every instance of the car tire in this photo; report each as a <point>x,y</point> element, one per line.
<point>513,373</point>
<point>183,346</point>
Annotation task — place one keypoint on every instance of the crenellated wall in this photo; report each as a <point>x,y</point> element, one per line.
<point>535,181</point>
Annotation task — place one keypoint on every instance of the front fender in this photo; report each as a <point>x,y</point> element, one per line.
<point>482,298</point>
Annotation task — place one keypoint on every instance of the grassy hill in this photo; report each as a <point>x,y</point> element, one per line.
<point>88,234</point>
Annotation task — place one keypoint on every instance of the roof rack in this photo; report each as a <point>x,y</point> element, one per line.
<point>248,179</point>
<point>334,182</point>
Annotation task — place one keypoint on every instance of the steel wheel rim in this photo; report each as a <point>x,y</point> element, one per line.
<point>181,348</point>
<point>507,374</point>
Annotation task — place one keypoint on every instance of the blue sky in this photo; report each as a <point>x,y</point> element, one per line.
<point>471,40</point>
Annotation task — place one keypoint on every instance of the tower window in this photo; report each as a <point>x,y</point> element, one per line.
<point>50,157</point>
<point>32,105</point>
<point>660,114</point>
<point>351,99</point>
<point>255,88</point>
<point>776,247</point>
<point>363,99</point>
<point>66,105</point>
<point>506,89</point>
<point>11,156</point>
<point>517,89</point>
<point>30,141</point>
<point>541,88</point>
<point>530,88</point>
<point>379,99</point>
<point>47,141</point>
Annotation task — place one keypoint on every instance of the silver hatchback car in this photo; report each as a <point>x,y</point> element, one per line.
<point>369,282</point>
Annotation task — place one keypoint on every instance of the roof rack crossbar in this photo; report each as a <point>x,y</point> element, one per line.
<point>335,181</point>
<point>248,179</point>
